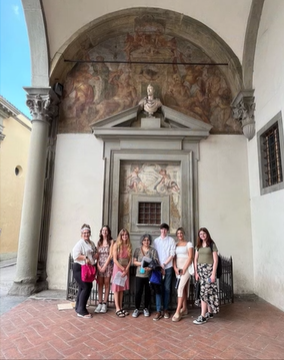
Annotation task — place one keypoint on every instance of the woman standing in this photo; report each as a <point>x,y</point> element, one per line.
<point>205,264</point>
<point>142,274</point>
<point>182,260</point>
<point>122,252</point>
<point>84,252</point>
<point>104,266</point>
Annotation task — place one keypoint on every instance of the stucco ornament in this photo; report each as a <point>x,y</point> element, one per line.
<point>150,104</point>
<point>243,110</point>
<point>41,107</point>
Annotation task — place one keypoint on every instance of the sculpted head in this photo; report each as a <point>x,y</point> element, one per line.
<point>150,89</point>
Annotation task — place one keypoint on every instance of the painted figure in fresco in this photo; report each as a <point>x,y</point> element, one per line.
<point>177,93</point>
<point>147,44</point>
<point>150,104</point>
<point>133,43</point>
<point>165,184</point>
<point>100,80</point>
<point>187,92</point>
<point>136,183</point>
<point>78,93</point>
<point>125,95</point>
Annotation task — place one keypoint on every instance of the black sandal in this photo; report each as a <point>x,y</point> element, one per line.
<point>120,314</point>
<point>126,313</point>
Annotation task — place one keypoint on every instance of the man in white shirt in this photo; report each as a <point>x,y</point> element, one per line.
<point>165,246</point>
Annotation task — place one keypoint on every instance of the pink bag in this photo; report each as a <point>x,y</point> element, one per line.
<point>88,273</point>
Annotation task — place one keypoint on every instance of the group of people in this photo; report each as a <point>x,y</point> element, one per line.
<point>113,259</point>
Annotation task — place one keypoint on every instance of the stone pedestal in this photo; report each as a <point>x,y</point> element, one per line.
<point>150,123</point>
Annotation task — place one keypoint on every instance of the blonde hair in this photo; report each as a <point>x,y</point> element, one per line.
<point>128,243</point>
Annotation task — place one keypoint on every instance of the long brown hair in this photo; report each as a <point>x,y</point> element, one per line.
<point>208,240</point>
<point>119,242</point>
<point>109,238</point>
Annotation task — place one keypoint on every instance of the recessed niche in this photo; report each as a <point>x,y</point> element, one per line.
<point>18,170</point>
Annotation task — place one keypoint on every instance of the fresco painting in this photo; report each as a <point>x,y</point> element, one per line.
<point>156,179</point>
<point>94,91</point>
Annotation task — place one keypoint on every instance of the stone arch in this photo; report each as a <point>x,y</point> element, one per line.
<point>121,22</point>
<point>250,42</point>
<point>93,92</point>
<point>38,42</point>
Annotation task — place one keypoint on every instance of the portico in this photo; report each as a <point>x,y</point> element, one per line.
<point>204,146</point>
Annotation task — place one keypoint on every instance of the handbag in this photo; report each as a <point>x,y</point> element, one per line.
<point>191,269</point>
<point>88,273</point>
<point>123,261</point>
<point>197,290</point>
<point>156,277</point>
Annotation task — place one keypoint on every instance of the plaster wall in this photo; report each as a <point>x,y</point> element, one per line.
<point>224,203</point>
<point>77,199</point>
<point>78,189</point>
<point>14,153</point>
<point>64,18</point>
<point>268,210</point>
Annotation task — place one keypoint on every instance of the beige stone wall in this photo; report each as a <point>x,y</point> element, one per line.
<point>13,160</point>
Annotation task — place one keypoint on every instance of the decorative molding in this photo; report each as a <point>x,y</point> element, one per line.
<point>7,109</point>
<point>176,141</point>
<point>243,107</point>
<point>42,102</point>
<point>179,126</point>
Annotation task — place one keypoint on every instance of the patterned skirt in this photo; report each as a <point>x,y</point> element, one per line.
<point>208,291</point>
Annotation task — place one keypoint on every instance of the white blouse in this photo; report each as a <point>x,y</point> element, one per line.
<point>83,248</point>
<point>182,251</point>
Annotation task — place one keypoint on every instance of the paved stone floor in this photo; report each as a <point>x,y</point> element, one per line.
<point>36,329</point>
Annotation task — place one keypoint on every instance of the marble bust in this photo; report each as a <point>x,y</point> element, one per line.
<point>149,104</point>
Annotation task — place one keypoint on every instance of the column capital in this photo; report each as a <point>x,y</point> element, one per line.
<point>42,102</point>
<point>243,107</point>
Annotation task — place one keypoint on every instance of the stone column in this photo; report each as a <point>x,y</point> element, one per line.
<point>43,107</point>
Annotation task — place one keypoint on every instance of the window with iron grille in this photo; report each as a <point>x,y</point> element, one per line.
<point>149,213</point>
<point>271,155</point>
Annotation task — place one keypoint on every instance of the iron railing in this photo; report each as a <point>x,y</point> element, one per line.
<point>225,288</point>
<point>226,284</point>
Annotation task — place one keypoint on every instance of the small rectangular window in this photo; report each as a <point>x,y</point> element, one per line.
<point>149,213</point>
<point>271,155</point>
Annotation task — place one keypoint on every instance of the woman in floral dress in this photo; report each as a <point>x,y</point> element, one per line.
<point>105,267</point>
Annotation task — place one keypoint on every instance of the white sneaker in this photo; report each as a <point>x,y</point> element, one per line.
<point>146,312</point>
<point>98,308</point>
<point>135,313</point>
<point>104,308</point>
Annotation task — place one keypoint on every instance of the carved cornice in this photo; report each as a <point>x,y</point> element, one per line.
<point>7,109</point>
<point>180,126</point>
<point>2,136</point>
<point>43,103</point>
<point>243,107</point>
